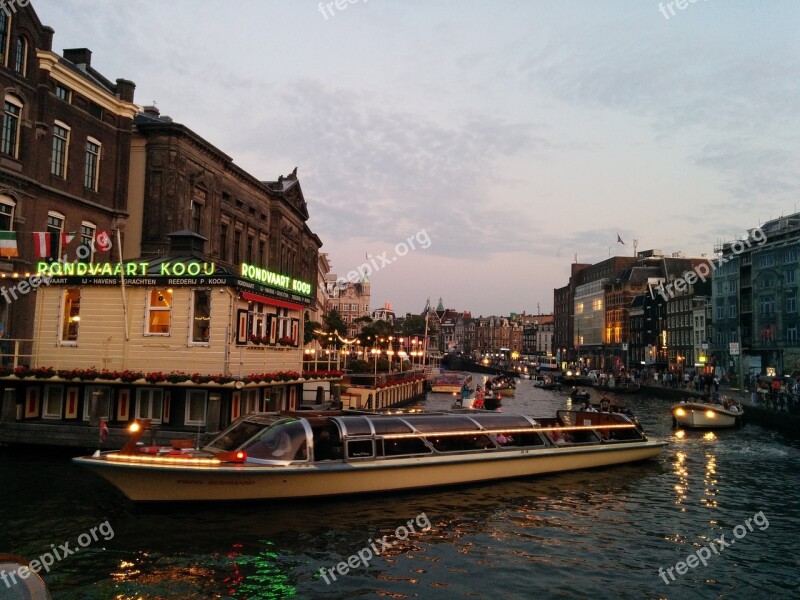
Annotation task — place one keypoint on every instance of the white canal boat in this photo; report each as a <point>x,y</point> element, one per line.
<point>701,415</point>
<point>301,454</point>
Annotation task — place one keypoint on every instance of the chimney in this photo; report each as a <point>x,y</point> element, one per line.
<point>79,56</point>
<point>186,242</point>
<point>151,111</point>
<point>125,90</point>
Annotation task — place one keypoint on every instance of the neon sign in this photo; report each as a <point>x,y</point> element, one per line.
<point>275,279</point>
<point>129,269</point>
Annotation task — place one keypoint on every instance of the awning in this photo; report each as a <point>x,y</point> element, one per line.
<point>271,301</point>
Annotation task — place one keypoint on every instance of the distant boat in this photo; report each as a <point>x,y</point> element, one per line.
<point>701,415</point>
<point>450,382</point>
<point>546,383</point>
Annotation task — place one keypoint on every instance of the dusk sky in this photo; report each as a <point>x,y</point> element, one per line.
<point>512,135</point>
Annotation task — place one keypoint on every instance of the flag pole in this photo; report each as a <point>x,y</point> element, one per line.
<point>122,285</point>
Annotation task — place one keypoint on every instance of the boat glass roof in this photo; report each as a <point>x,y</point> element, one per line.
<point>390,425</point>
<point>426,423</point>
<point>355,425</point>
<point>501,421</point>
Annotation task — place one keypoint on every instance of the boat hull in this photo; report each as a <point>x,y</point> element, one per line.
<point>444,388</point>
<point>243,482</point>
<point>505,392</point>
<point>705,416</point>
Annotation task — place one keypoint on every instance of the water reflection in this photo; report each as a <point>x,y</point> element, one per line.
<point>557,534</point>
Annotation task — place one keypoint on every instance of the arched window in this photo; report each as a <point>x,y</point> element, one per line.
<point>9,141</point>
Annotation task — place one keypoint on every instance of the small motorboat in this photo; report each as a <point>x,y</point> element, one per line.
<point>546,383</point>
<point>702,415</point>
<point>577,395</point>
<point>503,385</point>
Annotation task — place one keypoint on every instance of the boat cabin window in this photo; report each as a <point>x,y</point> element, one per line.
<point>360,449</point>
<point>283,441</point>
<point>240,432</point>
<point>516,439</point>
<point>460,443</point>
<point>404,446</point>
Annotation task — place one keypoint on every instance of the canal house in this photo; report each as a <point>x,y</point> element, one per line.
<point>180,340</point>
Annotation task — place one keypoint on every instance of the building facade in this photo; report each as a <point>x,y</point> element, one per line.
<point>64,159</point>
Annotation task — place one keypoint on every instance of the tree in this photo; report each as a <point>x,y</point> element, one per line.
<point>310,328</point>
<point>413,325</point>
<point>333,322</point>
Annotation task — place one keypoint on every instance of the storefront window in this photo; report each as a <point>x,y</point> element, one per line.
<point>201,316</point>
<point>71,316</point>
<point>149,404</point>
<point>159,311</point>
<point>196,407</point>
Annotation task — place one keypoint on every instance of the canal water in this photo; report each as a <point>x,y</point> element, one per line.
<point>600,534</point>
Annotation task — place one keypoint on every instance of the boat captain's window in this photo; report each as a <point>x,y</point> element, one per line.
<point>284,441</point>
<point>240,432</point>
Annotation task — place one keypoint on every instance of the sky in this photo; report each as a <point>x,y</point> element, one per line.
<point>473,149</point>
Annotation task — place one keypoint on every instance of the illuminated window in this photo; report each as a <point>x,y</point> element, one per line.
<point>201,316</point>
<point>71,316</point>
<point>159,311</point>
<point>149,404</point>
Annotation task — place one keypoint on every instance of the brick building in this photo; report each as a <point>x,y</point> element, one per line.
<point>64,155</point>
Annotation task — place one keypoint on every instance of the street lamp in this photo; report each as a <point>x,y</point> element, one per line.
<point>376,352</point>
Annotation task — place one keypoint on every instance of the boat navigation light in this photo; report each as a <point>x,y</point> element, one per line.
<point>710,414</point>
<point>680,412</point>
<point>235,456</point>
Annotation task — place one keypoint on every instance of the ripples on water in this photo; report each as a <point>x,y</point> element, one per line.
<point>601,533</point>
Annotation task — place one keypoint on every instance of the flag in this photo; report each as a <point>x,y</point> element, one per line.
<point>103,242</point>
<point>619,240</point>
<point>43,245</point>
<point>8,244</point>
<point>66,238</point>
<point>103,430</point>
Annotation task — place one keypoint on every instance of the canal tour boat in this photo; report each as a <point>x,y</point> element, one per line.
<point>303,454</point>
<point>701,415</point>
